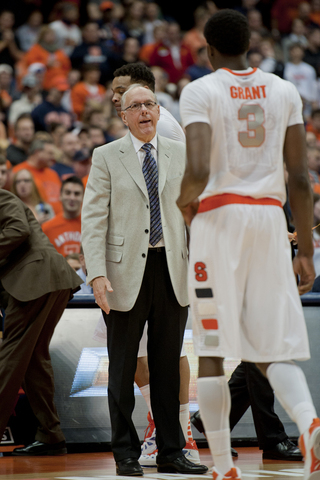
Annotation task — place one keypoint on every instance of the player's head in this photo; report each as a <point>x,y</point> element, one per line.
<point>128,75</point>
<point>227,31</point>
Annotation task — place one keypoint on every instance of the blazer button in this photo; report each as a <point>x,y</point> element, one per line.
<point>146,231</point>
<point>143,255</point>
<point>147,206</point>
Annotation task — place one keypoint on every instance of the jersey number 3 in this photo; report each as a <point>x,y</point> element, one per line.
<point>255,134</point>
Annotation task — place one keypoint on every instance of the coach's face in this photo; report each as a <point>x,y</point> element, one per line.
<point>142,122</point>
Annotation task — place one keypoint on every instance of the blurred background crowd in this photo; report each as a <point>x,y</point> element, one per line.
<point>57,60</point>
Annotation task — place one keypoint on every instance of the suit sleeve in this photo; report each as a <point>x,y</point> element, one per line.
<point>94,217</point>
<point>14,227</point>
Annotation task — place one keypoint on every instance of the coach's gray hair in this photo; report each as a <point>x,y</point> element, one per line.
<point>135,85</point>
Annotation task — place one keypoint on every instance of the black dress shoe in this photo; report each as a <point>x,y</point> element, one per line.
<point>196,421</point>
<point>285,450</point>
<point>39,448</point>
<point>234,452</point>
<point>130,467</point>
<point>182,465</point>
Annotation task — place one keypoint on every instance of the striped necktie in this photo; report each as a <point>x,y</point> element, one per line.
<point>150,172</point>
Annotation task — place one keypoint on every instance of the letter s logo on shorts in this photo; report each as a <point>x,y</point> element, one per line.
<point>200,269</point>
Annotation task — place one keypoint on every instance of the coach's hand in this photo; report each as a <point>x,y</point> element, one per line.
<point>303,266</point>
<point>100,285</point>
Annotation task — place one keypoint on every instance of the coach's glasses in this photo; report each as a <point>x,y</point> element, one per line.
<point>135,107</point>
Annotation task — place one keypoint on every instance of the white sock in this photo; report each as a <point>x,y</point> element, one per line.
<point>292,391</point>
<point>184,419</point>
<point>214,403</point>
<point>145,392</point>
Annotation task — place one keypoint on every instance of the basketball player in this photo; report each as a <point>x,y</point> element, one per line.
<point>242,288</point>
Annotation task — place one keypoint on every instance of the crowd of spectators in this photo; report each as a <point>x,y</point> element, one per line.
<point>56,70</point>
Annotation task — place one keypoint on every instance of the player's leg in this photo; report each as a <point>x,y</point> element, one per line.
<point>291,389</point>
<point>214,403</point>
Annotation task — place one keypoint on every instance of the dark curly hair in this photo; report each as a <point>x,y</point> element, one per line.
<point>138,72</point>
<point>228,32</point>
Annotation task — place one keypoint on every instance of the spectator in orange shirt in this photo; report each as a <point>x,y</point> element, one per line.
<point>314,124</point>
<point>87,91</point>
<point>41,156</point>
<point>46,51</point>
<point>159,34</point>
<point>64,230</point>
<point>194,38</point>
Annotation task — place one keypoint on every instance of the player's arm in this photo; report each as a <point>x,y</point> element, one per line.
<point>300,199</point>
<point>197,169</point>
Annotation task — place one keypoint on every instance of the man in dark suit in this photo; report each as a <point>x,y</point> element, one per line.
<point>38,282</point>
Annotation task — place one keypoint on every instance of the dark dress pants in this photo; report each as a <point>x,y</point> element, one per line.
<point>25,360</point>
<point>157,304</point>
<point>249,387</point>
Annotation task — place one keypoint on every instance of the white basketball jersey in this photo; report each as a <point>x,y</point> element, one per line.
<point>249,112</point>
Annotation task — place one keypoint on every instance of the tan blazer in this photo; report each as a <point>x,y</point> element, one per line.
<point>116,219</point>
<point>30,266</point>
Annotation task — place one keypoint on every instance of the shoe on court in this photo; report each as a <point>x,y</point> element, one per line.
<point>149,449</point>
<point>233,474</point>
<point>309,443</point>
<point>191,452</point>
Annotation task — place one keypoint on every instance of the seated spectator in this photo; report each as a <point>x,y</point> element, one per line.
<point>68,34</point>
<point>37,69</point>
<point>92,50</point>
<point>10,52</point>
<point>70,144</point>
<point>172,55</point>
<point>116,128</point>
<point>313,125</point>
<point>23,185</point>
<point>88,91</point>
<point>84,138</point>
<point>303,76</point>
<point>161,82</point>
<point>28,32</point>
<point>97,136</point>
<point>3,171</point>
<point>255,22</point>
<point>51,110</point>
<point>200,67</point>
<point>46,51</point>
<point>23,129</point>
<point>84,288</point>
<point>133,24</point>
<point>29,99</point>
<point>74,261</point>
<point>64,230</point>
<point>159,35</point>
<point>57,130</point>
<point>82,163</point>
<point>130,54</point>
<point>313,159</point>
<point>311,139</point>
<point>112,36</point>
<point>312,52</point>
<point>297,35</point>
<point>41,157</point>
<point>269,62</point>
<point>194,38</point>
<point>5,82</point>
<point>151,20</point>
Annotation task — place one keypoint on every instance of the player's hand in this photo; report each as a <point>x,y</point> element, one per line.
<point>303,266</point>
<point>293,238</point>
<point>100,286</point>
<point>189,211</point>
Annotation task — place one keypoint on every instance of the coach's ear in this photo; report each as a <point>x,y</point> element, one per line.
<point>124,118</point>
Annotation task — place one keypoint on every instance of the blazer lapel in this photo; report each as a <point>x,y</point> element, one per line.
<point>131,163</point>
<point>164,159</point>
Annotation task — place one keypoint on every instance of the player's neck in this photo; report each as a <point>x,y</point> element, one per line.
<point>233,63</point>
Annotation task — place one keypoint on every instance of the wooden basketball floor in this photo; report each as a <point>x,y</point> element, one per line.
<point>91,466</point>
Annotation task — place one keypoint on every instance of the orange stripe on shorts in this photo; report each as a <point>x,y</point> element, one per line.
<point>210,323</point>
<point>216,201</point>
